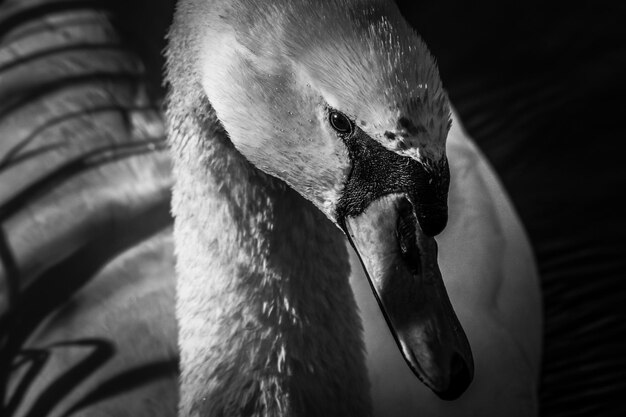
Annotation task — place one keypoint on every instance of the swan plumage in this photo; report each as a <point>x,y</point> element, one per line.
<point>128,306</point>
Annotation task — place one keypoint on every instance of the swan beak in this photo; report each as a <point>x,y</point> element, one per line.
<point>400,260</point>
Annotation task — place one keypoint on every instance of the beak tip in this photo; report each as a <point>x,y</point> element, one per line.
<point>461,376</point>
<point>447,382</point>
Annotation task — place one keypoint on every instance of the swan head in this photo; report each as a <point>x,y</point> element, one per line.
<point>343,102</point>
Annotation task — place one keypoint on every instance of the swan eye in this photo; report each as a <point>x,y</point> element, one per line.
<point>340,122</point>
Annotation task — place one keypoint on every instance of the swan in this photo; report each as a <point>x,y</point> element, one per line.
<point>290,123</point>
<point>111,348</point>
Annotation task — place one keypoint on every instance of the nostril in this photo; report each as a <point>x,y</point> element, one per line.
<point>460,378</point>
<point>406,233</point>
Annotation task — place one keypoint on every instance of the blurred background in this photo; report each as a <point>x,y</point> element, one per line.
<point>539,86</point>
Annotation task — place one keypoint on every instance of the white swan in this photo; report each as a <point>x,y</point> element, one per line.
<point>101,225</point>
<point>339,103</point>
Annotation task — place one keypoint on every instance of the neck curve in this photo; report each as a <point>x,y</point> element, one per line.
<point>268,324</point>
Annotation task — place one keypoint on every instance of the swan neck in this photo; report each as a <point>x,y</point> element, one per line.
<point>268,324</point>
